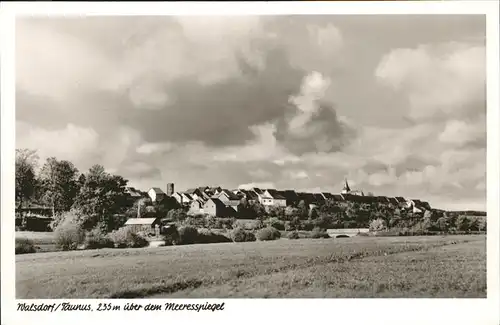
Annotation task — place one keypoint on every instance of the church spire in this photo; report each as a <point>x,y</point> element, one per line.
<point>346,188</point>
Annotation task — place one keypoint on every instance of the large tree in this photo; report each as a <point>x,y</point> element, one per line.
<point>59,184</point>
<point>101,196</point>
<point>26,183</point>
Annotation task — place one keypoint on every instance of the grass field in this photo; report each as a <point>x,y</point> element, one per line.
<point>44,241</point>
<point>451,266</point>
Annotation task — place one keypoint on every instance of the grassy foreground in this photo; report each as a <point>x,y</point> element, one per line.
<point>451,266</point>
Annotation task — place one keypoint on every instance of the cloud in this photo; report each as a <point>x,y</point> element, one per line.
<point>264,185</point>
<point>439,80</point>
<point>71,143</point>
<point>465,133</point>
<point>311,124</point>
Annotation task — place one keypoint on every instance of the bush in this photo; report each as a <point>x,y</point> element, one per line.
<point>24,246</point>
<point>377,225</point>
<point>248,224</point>
<point>293,235</point>
<point>268,233</point>
<point>69,234</point>
<point>187,235</point>
<point>241,235</point>
<point>319,233</point>
<point>126,237</point>
<point>170,235</point>
<point>96,238</point>
<point>275,223</point>
<point>206,236</point>
<point>219,223</point>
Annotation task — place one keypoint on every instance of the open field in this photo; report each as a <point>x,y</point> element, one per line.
<point>44,241</point>
<point>451,266</point>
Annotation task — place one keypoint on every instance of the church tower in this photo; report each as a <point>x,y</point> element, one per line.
<point>346,189</point>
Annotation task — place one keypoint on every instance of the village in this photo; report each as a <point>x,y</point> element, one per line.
<point>223,203</point>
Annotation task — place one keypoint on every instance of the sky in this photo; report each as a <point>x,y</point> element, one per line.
<point>395,104</point>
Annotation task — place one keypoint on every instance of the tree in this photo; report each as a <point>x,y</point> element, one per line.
<point>378,224</point>
<point>462,223</point>
<point>101,197</point>
<point>26,183</point>
<point>303,210</point>
<point>58,179</point>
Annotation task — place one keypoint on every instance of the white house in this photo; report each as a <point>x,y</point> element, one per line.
<point>272,197</point>
<point>156,194</point>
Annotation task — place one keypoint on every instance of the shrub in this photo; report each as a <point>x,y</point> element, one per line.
<point>170,235</point>
<point>377,225</point>
<point>275,223</point>
<point>241,235</point>
<point>126,237</point>
<point>24,246</point>
<point>206,236</point>
<point>268,233</point>
<point>187,235</point>
<point>319,233</point>
<point>219,223</point>
<point>307,226</point>
<point>69,234</point>
<point>293,235</point>
<point>96,238</point>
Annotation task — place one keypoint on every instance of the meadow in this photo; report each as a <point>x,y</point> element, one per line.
<point>385,267</point>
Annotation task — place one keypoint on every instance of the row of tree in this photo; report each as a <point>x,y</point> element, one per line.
<point>58,184</point>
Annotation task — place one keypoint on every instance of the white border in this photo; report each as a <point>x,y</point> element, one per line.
<point>301,311</point>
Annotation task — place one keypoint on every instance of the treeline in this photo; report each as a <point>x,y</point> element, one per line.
<point>95,196</point>
<point>335,215</point>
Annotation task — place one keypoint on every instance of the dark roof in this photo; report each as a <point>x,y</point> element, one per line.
<point>318,197</point>
<point>338,197</point>
<point>230,194</point>
<point>417,201</point>
<point>257,190</point>
<point>157,190</point>
<point>426,205</point>
<point>218,203</point>
<point>400,199</point>
<point>250,195</point>
<point>289,195</point>
<point>327,195</point>
<point>133,192</point>
<point>192,190</point>
<point>306,197</point>
<point>188,196</point>
<point>393,200</point>
<point>276,194</point>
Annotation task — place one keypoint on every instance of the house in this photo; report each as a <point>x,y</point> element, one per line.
<point>233,205</point>
<point>417,206</point>
<point>273,197</point>
<point>215,207</point>
<point>401,200</point>
<point>178,197</point>
<point>338,197</point>
<point>393,200</point>
<point>250,196</point>
<point>328,196</point>
<point>426,205</point>
<point>186,198</point>
<point>156,194</point>
<point>196,206</point>
<point>318,198</point>
<point>290,196</point>
<point>195,193</point>
<point>228,197</point>
<point>308,198</point>
<point>143,224</point>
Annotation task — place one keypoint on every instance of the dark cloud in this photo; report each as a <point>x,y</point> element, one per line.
<point>323,132</point>
<point>220,114</point>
